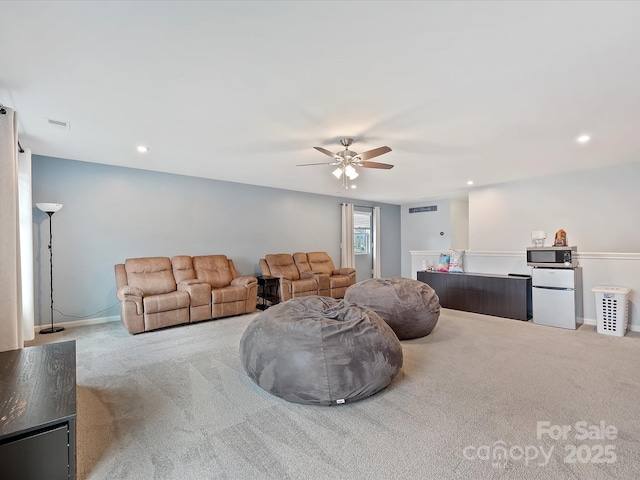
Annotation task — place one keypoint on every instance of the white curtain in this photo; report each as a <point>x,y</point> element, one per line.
<point>376,243</point>
<point>26,243</point>
<point>347,257</point>
<point>10,290</point>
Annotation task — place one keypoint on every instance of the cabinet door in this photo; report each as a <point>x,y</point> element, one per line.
<point>496,298</point>
<point>474,294</point>
<point>507,297</point>
<point>437,281</point>
<point>44,455</point>
<point>464,292</point>
<point>555,308</point>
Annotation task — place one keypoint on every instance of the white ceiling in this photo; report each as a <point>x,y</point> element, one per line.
<point>241,91</point>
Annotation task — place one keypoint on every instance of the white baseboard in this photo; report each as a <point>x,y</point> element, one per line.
<point>80,323</point>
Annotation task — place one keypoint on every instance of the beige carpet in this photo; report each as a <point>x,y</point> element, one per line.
<point>176,404</point>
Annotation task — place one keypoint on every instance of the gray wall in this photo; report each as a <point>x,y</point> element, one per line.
<point>597,208</point>
<point>113,213</point>
<point>422,230</point>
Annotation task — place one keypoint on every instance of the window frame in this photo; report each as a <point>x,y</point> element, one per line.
<point>362,235</point>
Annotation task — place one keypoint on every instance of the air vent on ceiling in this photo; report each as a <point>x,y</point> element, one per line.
<point>61,124</point>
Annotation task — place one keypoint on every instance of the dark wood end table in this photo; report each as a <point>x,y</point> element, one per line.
<point>38,412</point>
<point>267,292</point>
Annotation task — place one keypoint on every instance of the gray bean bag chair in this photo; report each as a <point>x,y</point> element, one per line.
<point>320,351</point>
<point>411,308</point>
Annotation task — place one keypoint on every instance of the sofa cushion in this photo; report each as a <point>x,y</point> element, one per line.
<point>282,265</point>
<point>183,268</point>
<point>320,262</point>
<point>153,275</point>
<point>165,302</point>
<point>304,286</point>
<point>228,294</point>
<point>213,269</point>
<point>302,262</point>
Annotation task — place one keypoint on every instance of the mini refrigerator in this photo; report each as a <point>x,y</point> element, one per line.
<point>557,296</point>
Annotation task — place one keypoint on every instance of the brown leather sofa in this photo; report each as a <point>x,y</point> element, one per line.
<point>303,274</point>
<point>292,283</point>
<point>157,292</point>
<point>332,282</point>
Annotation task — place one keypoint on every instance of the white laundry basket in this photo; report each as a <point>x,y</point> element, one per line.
<point>612,310</point>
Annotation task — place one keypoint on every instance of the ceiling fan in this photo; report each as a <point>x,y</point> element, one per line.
<point>347,160</point>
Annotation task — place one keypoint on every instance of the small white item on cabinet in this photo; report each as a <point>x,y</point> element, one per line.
<point>538,237</point>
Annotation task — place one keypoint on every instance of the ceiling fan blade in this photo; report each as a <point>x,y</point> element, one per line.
<point>386,166</point>
<point>373,153</point>
<point>323,163</point>
<point>326,152</point>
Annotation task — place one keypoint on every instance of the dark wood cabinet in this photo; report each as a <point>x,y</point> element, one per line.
<point>38,412</point>
<point>507,296</point>
<point>465,292</point>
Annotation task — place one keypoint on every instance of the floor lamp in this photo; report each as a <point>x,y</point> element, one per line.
<point>50,209</point>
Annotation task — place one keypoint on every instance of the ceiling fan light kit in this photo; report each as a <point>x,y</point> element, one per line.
<point>350,172</point>
<point>347,161</point>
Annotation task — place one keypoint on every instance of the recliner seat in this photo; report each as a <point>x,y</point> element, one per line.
<point>148,294</point>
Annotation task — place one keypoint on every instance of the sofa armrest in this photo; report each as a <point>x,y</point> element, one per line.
<point>343,271</point>
<point>284,288</point>
<point>199,291</point>
<point>189,281</point>
<point>126,292</point>
<point>246,281</point>
<point>310,274</point>
<point>131,294</point>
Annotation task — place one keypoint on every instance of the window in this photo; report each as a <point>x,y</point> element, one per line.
<point>361,233</point>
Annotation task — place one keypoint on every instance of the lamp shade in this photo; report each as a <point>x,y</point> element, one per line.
<point>350,172</point>
<point>49,207</point>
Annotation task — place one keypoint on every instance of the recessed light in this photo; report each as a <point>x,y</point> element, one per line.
<point>583,138</point>
<point>142,149</point>
<point>470,182</point>
<point>354,186</point>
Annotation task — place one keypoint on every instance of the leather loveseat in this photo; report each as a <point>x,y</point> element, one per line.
<point>291,283</point>
<point>332,282</point>
<point>303,274</point>
<point>157,292</point>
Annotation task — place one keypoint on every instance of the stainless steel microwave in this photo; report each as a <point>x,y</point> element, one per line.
<point>552,257</point>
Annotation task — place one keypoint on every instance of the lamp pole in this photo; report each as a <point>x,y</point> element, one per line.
<point>50,209</point>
